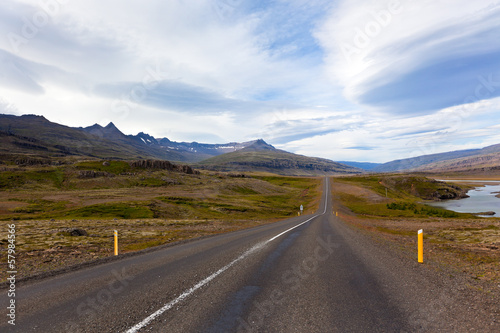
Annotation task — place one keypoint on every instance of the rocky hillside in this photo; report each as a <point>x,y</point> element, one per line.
<point>451,161</point>
<point>34,136</point>
<point>484,162</point>
<point>31,136</point>
<point>422,187</point>
<point>263,157</point>
<point>33,140</point>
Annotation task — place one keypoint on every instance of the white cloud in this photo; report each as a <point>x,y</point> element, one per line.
<point>372,43</point>
<point>191,71</point>
<point>117,41</point>
<point>381,140</point>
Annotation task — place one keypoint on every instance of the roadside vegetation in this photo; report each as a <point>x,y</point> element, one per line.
<point>400,196</point>
<point>462,242</point>
<point>66,214</point>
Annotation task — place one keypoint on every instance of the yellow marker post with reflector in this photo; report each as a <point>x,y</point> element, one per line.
<point>421,246</point>
<point>116,242</point>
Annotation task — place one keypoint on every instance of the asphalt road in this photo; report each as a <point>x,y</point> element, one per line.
<point>306,274</point>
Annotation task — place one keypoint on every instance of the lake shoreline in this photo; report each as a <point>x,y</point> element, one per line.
<point>482,200</point>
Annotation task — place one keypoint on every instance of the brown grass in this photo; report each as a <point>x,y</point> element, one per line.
<point>467,245</point>
<point>195,206</point>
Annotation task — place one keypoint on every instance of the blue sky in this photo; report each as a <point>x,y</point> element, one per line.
<point>345,80</point>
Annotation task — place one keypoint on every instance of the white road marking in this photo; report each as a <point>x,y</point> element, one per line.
<point>188,292</point>
<point>284,232</point>
<point>200,284</point>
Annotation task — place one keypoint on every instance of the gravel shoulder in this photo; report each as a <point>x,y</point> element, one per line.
<point>456,289</point>
<point>436,295</point>
<point>368,278</point>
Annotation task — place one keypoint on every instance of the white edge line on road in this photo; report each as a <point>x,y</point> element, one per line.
<point>284,232</point>
<point>191,290</point>
<point>200,284</point>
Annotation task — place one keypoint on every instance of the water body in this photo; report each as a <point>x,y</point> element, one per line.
<point>482,199</point>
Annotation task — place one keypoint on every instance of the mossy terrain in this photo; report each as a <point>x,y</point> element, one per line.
<point>409,187</point>
<point>46,177</point>
<point>113,167</point>
<point>422,187</point>
<point>149,207</point>
<point>269,159</point>
<point>114,189</point>
<point>400,196</point>
<point>462,242</point>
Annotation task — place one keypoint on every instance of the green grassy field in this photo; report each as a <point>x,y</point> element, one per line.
<point>148,207</point>
<point>398,196</point>
<point>462,242</point>
<point>119,191</point>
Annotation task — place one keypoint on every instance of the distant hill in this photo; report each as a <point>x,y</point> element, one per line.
<point>261,156</point>
<point>178,151</point>
<point>36,136</point>
<point>450,161</point>
<point>31,136</point>
<point>361,165</point>
<point>487,159</point>
<point>192,151</point>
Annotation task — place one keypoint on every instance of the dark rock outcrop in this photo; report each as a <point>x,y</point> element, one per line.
<point>425,188</point>
<point>280,164</point>
<point>73,232</point>
<point>489,213</point>
<point>83,174</point>
<point>163,165</point>
<point>33,161</point>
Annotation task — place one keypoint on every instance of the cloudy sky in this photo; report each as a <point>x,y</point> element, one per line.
<point>363,80</point>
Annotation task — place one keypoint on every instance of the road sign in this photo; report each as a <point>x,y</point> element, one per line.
<point>301,208</point>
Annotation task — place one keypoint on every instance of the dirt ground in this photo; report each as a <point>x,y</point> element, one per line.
<point>471,246</point>
<point>44,245</point>
<point>211,205</point>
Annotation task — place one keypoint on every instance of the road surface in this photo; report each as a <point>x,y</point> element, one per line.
<point>307,274</point>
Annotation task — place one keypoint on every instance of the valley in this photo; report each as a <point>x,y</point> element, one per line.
<point>67,189</point>
<point>149,206</point>
<point>462,243</point>
<point>249,166</point>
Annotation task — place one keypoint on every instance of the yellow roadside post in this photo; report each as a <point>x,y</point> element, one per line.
<point>116,242</point>
<point>421,246</point>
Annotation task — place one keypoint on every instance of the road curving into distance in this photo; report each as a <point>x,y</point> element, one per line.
<point>311,273</point>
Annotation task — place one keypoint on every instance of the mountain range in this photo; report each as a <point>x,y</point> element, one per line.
<point>460,160</point>
<point>264,157</point>
<point>36,137</point>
